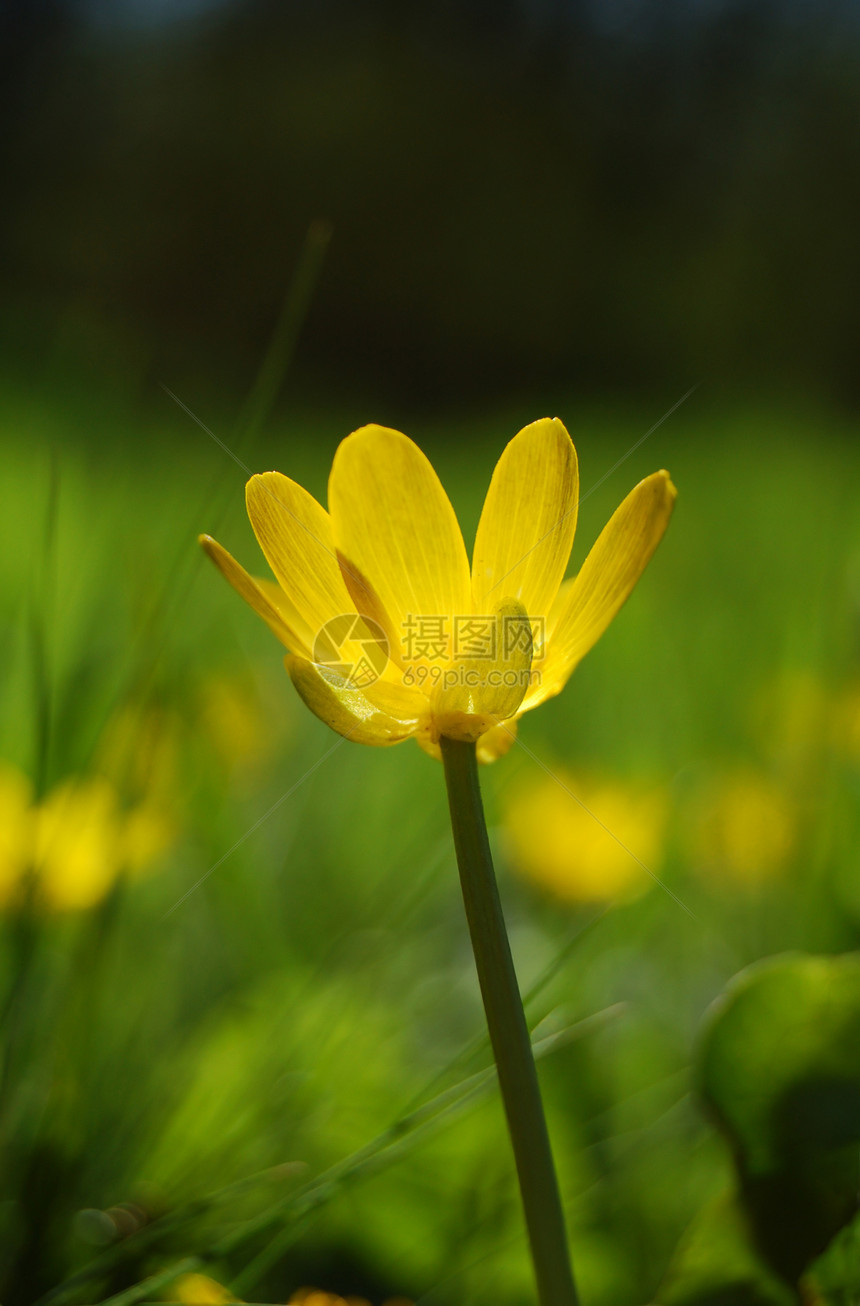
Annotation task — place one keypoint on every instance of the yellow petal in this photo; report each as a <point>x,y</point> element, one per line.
<point>266,598</point>
<point>606,580</point>
<point>527,526</point>
<point>295,534</point>
<point>288,612</point>
<point>559,607</point>
<point>429,745</point>
<point>491,745</point>
<point>496,742</point>
<point>477,691</point>
<point>402,550</point>
<point>383,713</point>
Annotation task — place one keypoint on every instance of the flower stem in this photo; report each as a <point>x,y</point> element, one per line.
<point>509,1033</point>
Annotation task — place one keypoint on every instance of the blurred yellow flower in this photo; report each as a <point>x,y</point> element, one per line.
<point>66,852</point>
<point>199,1290</point>
<point>78,844</point>
<point>146,833</point>
<point>391,634</point>
<point>139,752</point>
<point>845,725</point>
<point>318,1297</point>
<point>743,828</point>
<point>232,719</point>
<point>556,843</point>
<point>16,830</point>
<point>792,718</point>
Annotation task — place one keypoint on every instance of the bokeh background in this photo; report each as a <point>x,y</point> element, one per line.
<point>240,960</point>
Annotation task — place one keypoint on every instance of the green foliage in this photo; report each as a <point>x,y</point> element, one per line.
<point>216,1061</point>
<point>716,1265</point>
<point>779,1066</point>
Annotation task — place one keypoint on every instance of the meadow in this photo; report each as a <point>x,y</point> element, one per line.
<point>242,1033</point>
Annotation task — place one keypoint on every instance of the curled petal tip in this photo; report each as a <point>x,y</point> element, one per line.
<point>670,484</point>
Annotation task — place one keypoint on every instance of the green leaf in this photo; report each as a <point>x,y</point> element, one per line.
<point>716,1265</point>
<point>779,1068</point>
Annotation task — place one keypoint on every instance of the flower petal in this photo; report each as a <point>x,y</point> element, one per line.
<point>527,526</point>
<point>496,742</point>
<point>429,745</point>
<point>477,692</point>
<point>491,745</point>
<point>607,577</point>
<point>396,533</point>
<point>290,615</point>
<point>383,713</point>
<point>295,534</point>
<point>267,599</point>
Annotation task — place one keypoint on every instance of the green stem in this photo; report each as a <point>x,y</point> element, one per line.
<point>508,1030</point>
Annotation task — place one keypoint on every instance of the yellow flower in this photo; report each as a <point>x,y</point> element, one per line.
<point>391,635</point>
<point>146,833</point>
<point>84,842</point>
<point>319,1297</point>
<point>232,721</point>
<point>744,829</point>
<point>77,844</point>
<point>845,727</point>
<point>200,1290</point>
<point>566,848</point>
<point>139,752</point>
<point>67,851</point>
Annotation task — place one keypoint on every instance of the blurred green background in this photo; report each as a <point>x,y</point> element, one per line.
<point>244,959</point>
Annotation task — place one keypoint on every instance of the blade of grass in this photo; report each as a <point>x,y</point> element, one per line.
<point>41,615</point>
<point>481,1041</point>
<point>282,347</point>
<point>130,1296</point>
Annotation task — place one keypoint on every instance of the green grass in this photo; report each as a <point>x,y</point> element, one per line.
<point>318,984</point>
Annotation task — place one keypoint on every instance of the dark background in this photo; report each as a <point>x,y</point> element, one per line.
<point>525,198</point>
